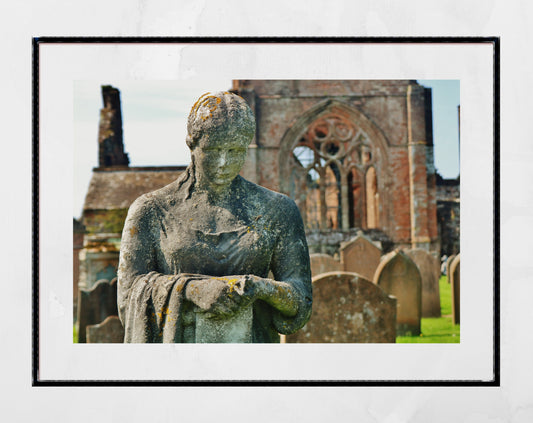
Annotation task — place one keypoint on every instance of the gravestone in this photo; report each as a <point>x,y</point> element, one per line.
<point>324,263</point>
<point>95,305</point>
<point>436,266</point>
<point>430,283</point>
<point>448,265</point>
<point>455,275</point>
<point>348,308</point>
<point>110,331</point>
<point>398,276</point>
<point>361,256</point>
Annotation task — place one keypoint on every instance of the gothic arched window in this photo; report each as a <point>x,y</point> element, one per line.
<point>333,180</point>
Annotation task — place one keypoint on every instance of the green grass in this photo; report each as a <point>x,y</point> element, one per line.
<point>75,334</point>
<point>437,329</point>
<point>445,296</point>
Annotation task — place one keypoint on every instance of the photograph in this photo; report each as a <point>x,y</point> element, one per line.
<point>265,213</point>
<point>336,149</point>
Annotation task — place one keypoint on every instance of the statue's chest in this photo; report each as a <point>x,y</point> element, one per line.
<point>215,241</point>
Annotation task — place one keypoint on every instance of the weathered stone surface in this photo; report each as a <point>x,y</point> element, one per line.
<point>330,241</point>
<point>436,265</point>
<point>348,308</point>
<point>110,331</point>
<point>95,305</point>
<point>234,329</point>
<point>324,263</point>
<point>449,214</point>
<point>78,232</point>
<point>455,273</point>
<point>361,256</point>
<point>430,283</point>
<point>398,276</point>
<point>448,265</point>
<point>98,260</point>
<point>196,255</point>
<point>392,121</point>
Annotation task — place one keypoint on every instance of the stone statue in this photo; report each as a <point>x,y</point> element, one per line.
<point>196,254</point>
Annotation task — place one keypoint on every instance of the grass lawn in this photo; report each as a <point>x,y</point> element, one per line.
<point>437,329</point>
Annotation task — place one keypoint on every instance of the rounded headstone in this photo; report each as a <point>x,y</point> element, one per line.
<point>348,308</point>
<point>448,265</point>
<point>361,256</point>
<point>430,282</point>
<point>323,263</point>
<point>455,280</point>
<point>398,276</point>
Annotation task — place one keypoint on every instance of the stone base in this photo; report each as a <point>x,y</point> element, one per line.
<point>236,329</point>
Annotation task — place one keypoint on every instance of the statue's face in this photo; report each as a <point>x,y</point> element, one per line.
<point>220,158</point>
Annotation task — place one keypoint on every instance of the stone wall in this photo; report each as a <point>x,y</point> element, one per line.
<point>449,215</point>
<point>393,115</point>
<point>78,234</point>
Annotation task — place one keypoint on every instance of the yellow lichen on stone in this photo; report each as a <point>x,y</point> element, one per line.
<point>232,283</point>
<point>196,105</point>
<point>204,102</point>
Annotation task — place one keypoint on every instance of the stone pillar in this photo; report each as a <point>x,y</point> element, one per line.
<point>418,192</point>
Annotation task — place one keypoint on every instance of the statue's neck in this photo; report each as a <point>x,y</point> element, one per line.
<point>215,194</point>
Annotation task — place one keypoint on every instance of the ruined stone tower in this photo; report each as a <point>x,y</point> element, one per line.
<point>110,145</point>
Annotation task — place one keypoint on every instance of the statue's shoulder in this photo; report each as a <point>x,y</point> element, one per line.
<point>150,203</point>
<point>161,199</point>
<point>142,207</point>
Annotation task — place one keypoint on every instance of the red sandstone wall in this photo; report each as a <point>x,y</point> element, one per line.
<point>279,104</point>
<point>400,229</point>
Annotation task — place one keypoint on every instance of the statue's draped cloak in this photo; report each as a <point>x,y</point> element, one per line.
<point>163,250</point>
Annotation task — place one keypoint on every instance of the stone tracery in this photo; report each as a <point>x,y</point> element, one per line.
<point>329,177</point>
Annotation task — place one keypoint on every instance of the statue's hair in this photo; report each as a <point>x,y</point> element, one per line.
<point>219,112</point>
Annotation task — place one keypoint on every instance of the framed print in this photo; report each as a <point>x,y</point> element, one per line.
<point>298,88</point>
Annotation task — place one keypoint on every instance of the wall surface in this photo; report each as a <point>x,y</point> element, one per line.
<point>395,118</point>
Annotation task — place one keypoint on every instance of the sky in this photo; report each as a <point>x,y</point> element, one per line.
<point>445,96</point>
<point>154,119</point>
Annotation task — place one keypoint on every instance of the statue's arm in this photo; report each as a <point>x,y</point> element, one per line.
<point>137,253</point>
<point>290,292</point>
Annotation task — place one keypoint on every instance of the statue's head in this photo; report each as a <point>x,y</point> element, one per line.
<point>219,129</point>
<point>222,113</point>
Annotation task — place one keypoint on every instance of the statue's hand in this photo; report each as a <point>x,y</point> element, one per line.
<point>221,297</point>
